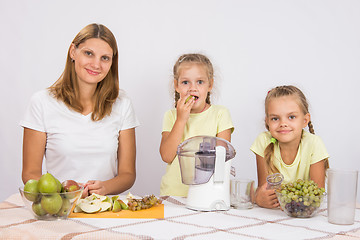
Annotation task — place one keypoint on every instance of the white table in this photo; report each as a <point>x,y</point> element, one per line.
<point>178,223</point>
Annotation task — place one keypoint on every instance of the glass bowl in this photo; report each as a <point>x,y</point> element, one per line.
<point>300,206</point>
<point>50,206</point>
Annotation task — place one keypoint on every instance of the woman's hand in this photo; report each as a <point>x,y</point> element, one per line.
<point>266,198</point>
<point>94,186</point>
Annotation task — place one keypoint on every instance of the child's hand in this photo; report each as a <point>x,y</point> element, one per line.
<point>184,106</point>
<point>266,197</point>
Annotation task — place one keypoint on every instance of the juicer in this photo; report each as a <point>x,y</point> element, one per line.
<point>205,164</point>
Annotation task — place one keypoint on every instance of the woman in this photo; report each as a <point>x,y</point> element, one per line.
<point>83,124</point>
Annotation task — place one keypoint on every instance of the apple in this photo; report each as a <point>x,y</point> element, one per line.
<point>70,186</point>
<point>31,190</point>
<point>47,184</point>
<point>52,203</point>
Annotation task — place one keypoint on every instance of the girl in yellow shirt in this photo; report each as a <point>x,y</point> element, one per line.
<point>286,147</point>
<point>193,115</point>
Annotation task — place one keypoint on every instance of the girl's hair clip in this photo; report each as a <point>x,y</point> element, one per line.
<point>182,59</point>
<point>273,140</point>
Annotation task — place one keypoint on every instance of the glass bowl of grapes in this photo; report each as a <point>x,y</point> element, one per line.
<point>301,198</point>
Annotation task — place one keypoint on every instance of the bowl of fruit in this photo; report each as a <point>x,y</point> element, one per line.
<point>301,198</point>
<point>48,199</point>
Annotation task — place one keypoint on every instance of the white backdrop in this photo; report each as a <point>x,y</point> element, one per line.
<point>254,46</point>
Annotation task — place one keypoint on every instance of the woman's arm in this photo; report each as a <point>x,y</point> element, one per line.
<point>317,173</point>
<point>34,143</point>
<point>126,168</point>
<point>264,197</point>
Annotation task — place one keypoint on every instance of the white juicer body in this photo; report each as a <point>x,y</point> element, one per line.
<point>215,194</point>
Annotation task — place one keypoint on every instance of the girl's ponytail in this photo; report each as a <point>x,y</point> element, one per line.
<point>311,127</point>
<point>268,157</point>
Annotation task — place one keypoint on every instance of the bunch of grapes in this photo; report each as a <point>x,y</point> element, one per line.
<point>300,198</point>
<point>144,203</point>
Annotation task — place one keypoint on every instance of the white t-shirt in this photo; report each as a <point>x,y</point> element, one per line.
<point>76,147</point>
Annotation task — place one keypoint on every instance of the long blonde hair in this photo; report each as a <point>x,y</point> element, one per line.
<point>193,58</point>
<point>66,87</point>
<point>277,92</point>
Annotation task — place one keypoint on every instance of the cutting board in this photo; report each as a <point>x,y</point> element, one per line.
<point>153,212</point>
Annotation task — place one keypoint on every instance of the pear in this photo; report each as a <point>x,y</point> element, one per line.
<point>59,186</point>
<point>104,206</point>
<point>52,203</point>
<point>37,209</point>
<point>77,208</point>
<point>116,206</point>
<point>89,208</point>
<point>123,205</point>
<point>189,97</point>
<point>107,199</point>
<point>31,190</point>
<point>47,184</point>
<point>65,208</point>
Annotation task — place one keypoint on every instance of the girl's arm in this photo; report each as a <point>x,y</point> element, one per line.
<point>317,173</point>
<point>264,197</point>
<point>34,143</point>
<point>226,134</point>
<point>171,140</point>
<point>126,168</point>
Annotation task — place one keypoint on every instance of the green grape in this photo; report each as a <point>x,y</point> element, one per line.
<point>300,198</point>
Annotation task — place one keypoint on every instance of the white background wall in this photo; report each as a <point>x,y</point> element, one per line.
<point>254,46</point>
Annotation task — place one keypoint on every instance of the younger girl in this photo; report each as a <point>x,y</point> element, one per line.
<point>286,147</point>
<point>193,115</point>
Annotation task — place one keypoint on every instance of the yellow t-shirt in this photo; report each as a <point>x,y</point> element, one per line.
<point>311,150</point>
<point>210,122</point>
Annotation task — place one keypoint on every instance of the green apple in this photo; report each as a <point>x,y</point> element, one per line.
<point>37,209</point>
<point>65,208</point>
<point>31,190</point>
<point>47,184</point>
<point>52,203</point>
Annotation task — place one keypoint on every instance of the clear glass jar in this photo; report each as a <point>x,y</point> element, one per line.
<point>274,181</point>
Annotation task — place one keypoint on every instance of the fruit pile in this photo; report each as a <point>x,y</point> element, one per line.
<point>49,198</point>
<point>300,198</point>
<point>144,203</point>
<point>98,203</point>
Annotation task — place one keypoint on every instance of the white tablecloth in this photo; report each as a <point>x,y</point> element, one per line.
<point>178,223</point>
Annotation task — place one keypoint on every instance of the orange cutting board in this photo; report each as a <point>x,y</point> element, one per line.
<point>153,212</point>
